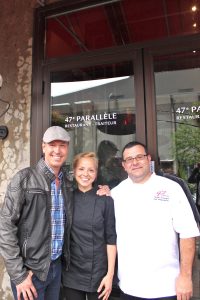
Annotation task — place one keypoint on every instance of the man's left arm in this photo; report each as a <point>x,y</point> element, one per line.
<point>184,287</point>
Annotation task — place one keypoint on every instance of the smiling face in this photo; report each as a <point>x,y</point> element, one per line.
<point>138,170</point>
<point>55,154</point>
<point>85,173</point>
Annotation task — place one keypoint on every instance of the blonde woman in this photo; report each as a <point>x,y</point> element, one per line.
<point>93,236</point>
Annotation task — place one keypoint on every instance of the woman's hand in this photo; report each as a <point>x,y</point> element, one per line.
<point>105,287</point>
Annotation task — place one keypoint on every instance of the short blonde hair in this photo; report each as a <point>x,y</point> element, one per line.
<point>91,155</point>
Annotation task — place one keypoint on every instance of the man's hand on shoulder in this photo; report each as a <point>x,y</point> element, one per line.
<point>26,289</point>
<point>103,190</point>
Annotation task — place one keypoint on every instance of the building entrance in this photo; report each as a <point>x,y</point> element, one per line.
<point>135,79</point>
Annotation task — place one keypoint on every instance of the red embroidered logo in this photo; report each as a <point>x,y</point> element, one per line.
<point>161,196</point>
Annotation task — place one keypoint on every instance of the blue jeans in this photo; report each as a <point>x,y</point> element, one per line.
<point>49,289</point>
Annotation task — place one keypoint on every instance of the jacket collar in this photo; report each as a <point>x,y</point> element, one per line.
<point>45,170</point>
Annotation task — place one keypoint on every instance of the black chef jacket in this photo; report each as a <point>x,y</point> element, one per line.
<point>93,227</point>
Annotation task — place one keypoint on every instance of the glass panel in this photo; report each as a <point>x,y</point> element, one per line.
<point>118,23</point>
<point>99,114</point>
<point>177,82</point>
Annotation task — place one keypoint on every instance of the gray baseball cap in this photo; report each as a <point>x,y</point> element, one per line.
<point>56,133</point>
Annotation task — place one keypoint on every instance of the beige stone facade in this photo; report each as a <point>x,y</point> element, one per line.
<point>16,27</point>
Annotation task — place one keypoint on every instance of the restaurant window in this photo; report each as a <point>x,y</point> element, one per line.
<point>177,81</point>
<point>96,106</point>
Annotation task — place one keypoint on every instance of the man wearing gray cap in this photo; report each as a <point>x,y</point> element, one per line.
<point>36,214</point>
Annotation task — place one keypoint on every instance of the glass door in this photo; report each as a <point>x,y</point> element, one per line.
<point>177,89</point>
<point>97,106</point>
<point>172,102</point>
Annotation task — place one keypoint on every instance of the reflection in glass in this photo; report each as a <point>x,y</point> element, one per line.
<point>94,111</point>
<point>178,119</point>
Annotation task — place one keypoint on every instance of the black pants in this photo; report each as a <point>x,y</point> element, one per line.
<point>128,297</point>
<point>71,294</point>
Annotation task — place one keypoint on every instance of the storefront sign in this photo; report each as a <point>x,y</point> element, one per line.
<point>100,119</point>
<point>188,112</point>
<point>110,123</point>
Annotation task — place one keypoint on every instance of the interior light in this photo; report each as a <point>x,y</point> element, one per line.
<point>63,88</point>
<point>194,8</point>
<point>83,102</point>
<point>60,104</point>
<point>194,51</point>
<point>194,25</point>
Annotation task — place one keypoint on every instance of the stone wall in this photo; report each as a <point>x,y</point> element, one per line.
<point>16,28</point>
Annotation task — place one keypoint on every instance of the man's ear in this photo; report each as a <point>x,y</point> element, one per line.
<point>43,146</point>
<point>149,157</point>
<point>123,165</point>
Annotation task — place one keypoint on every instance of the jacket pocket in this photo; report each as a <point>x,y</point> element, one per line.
<point>36,200</point>
<point>35,191</point>
<point>24,248</point>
